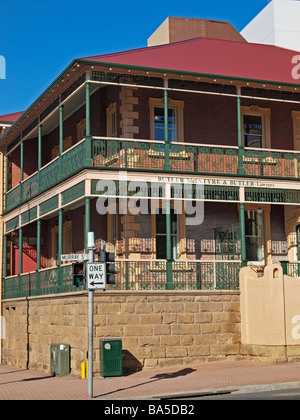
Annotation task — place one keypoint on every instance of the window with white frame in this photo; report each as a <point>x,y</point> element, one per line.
<point>159,124</point>
<point>175,120</point>
<point>253,131</point>
<point>256,126</point>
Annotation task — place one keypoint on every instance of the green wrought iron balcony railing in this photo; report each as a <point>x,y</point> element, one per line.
<point>151,156</point>
<point>131,275</point>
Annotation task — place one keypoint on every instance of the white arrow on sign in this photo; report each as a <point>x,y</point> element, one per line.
<point>96,276</point>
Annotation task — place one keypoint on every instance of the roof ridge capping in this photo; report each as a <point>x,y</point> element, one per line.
<point>187,41</point>
<point>155,47</point>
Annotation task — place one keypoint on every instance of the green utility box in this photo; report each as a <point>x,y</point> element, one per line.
<point>60,359</point>
<point>111,363</point>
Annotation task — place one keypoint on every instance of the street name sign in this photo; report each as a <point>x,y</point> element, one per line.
<point>96,275</point>
<point>74,257</point>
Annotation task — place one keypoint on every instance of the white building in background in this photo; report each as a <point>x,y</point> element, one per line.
<point>277,24</point>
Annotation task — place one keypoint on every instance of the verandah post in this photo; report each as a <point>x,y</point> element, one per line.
<point>21,170</point>
<point>38,244</point>
<point>60,250</point>
<point>38,256</point>
<point>87,220</point>
<point>6,178</point>
<point>241,170</point>
<point>88,137</point>
<point>167,167</point>
<point>170,285</point>
<point>243,235</point>
<point>61,139</point>
<point>39,154</point>
<point>4,256</point>
<point>20,262</point>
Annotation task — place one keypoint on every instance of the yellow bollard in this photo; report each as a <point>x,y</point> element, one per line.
<point>82,370</point>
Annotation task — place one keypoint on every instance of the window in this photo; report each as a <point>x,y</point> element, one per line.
<point>159,124</point>
<point>254,234</point>
<point>67,238</point>
<point>161,236</point>
<point>67,241</point>
<point>113,124</point>
<point>67,143</point>
<point>256,126</point>
<point>253,131</point>
<point>175,119</point>
<point>54,247</point>
<point>111,120</point>
<point>296,127</point>
<point>81,129</point>
<point>112,230</point>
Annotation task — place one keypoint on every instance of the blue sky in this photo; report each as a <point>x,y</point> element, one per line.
<point>39,39</point>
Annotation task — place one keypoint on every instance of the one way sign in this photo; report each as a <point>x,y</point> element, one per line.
<point>96,276</point>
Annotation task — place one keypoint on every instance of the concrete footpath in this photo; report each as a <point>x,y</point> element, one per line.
<point>150,384</point>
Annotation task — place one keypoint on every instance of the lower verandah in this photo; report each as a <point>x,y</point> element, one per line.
<point>205,256</point>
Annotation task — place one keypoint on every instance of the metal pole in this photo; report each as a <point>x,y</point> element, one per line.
<point>90,331</point>
<point>89,246</point>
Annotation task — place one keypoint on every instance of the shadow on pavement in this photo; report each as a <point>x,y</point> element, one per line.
<point>158,377</point>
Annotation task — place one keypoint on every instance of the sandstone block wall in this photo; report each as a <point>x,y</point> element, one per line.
<point>157,328</point>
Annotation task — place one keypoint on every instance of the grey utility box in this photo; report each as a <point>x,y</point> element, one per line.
<point>60,359</point>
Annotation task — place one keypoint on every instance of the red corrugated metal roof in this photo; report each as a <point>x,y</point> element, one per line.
<point>212,57</point>
<point>11,117</point>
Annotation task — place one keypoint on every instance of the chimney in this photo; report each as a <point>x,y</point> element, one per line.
<point>175,29</point>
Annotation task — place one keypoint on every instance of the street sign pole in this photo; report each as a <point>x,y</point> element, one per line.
<point>91,247</point>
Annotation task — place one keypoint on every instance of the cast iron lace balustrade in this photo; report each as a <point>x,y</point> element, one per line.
<point>131,275</point>
<point>149,156</point>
